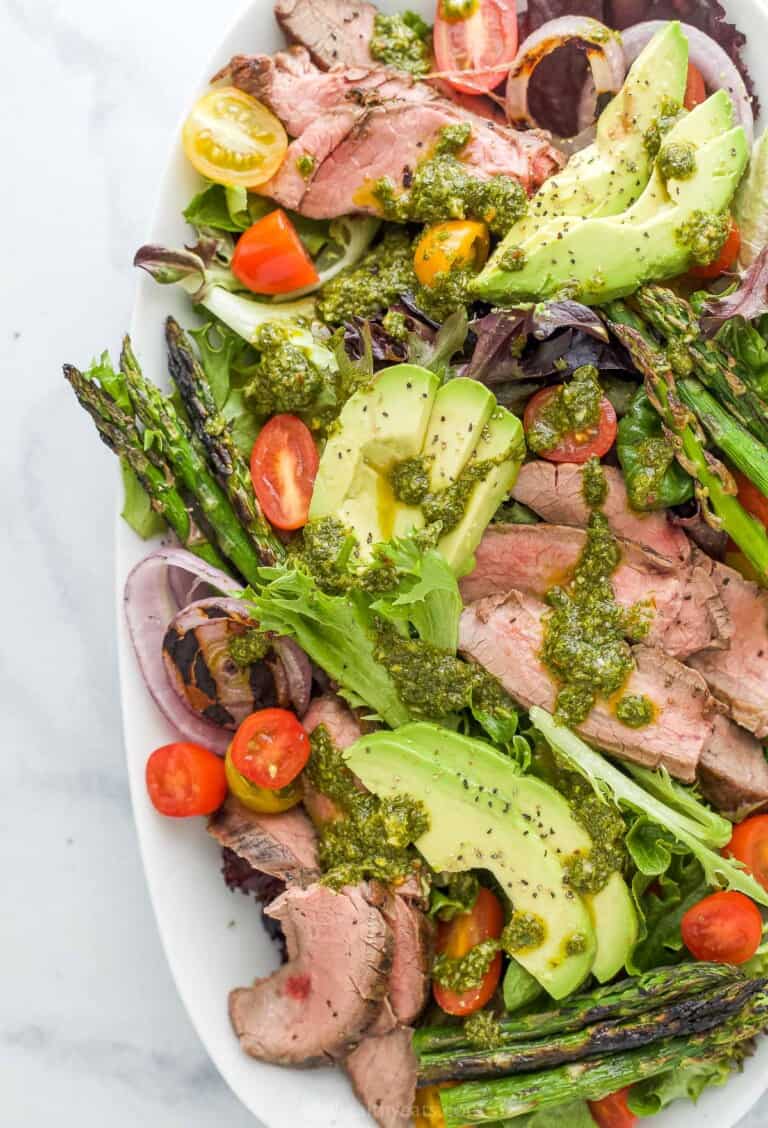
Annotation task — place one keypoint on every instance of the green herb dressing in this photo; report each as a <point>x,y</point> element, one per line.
<point>573,408</point>
<point>402,41</point>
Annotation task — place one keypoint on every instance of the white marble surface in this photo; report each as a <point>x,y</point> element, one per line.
<point>91,1031</point>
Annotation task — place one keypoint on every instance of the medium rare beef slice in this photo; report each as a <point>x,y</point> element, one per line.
<point>283,845</point>
<point>685,611</point>
<point>413,934</point>
<point>383,1073</point>
<point>505,634</point>
<point>318,1005</point>
<point>733,771</point>
<point>333,31</point>
<point>555,492</point>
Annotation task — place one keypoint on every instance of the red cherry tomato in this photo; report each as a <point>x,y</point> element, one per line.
<point>613,1111</point>
<point>270,258</point>
<point>726,260</point>
<point>455,938</point>
<point>284,463</point>
<point>695,90</point>
<point>185,779</point>
<point>723,928</point>
<point>749,845</point>
<point>580,446</point>
<point>750,497</point>
<point>270,748</point>
<point>485,37</point>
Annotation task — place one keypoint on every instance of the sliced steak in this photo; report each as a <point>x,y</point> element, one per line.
<point>738,676</point>
<point>684,600</point>
<point>555,493</point>
<point>343,728</point>
<point>333,31</point>
<point>383,1073</point>
<point>413,934</point>
<point>282,845</point>
<point>504,633</point>
<point>733,771</point>
<point>317,1006</point>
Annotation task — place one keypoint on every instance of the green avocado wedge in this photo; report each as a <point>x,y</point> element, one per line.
<point>484,815</point>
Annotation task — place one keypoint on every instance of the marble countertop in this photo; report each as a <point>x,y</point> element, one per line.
<point>91,1030</point>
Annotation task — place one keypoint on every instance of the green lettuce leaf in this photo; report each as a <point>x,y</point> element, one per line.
<point>661,903</point>
<point>225,209</point>
<point>137,510</point>
<point>650,1097</point>
<point>427,594</point>
<point>714,830</point>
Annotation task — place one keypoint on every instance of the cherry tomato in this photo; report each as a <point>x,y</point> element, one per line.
<point>726,260</point>
<point>484,921</point>
<point>270,258</point>
<point>750,497</point>
<point>263,799</point>
<point>723,928</point>
<point>284,465</point>
<point>270,748</point>
<point>583,445</point>
<point>613,1111</point>
<point>695,90</point>
<point>232,139</point>
<point>749,845</point>
<point>458,242</point>
<point>485,37</point>
<point>185,779</point>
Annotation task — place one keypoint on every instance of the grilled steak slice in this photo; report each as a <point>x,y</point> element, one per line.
<point>555,493</point>
<point>317,1006</point>
<point>505,634</point>
<point>733,771</point>
<point>738,676</point>
<point>383,1074</point>
<point>684,601</point>
<point>413,934</point>
<point>333,31</point>
<point>282,845</point>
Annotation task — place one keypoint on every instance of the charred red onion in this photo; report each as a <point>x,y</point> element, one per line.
<point>717,69</point>
<point>604,55</point>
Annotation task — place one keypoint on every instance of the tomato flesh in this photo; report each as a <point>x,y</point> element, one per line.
<point>487,37</point>
<point>185,779</point>
<point>580,446</point>
<point>232,139</point>
<point>270,748</point>
<point>750,497</point>
<point>726,260</point>
<point>270,258</point>
<point>284,465</point>
<point>749,845</point>
<point>265,800</point>
<point>723,928</point>
<point>445,246</point>
<point>613,1111</point>
<point>695,90</point>
<point>456,937</point>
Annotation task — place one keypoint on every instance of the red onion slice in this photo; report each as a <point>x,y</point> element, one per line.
<point>717,69</point>
<point>298,671</point>
<point>604,54</point>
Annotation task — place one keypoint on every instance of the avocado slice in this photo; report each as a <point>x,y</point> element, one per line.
<point>479,813</point>
<point>607,177</point>
<point>461,409</point>
<point>599,259</point>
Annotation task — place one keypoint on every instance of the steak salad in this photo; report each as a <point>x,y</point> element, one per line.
<point>458,593</point>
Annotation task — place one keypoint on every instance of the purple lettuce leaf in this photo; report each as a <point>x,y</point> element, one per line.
<point>503,337</point>
<point>748,300</point>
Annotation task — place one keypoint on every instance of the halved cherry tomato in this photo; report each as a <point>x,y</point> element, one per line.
<point>458,242</point>
<point>723,928</point>
<point>284,463</point>
<point>695,90</point>
<point>593,442</point>
<point>270,258</point>
<point>613,1111</point>
<point>484,921</point>
<point>749,845</point>
<point>750,497</point>
<point>726,260</point>
<point>232,139</point>
<point>185,779</point>
<point>270,748</point>
<point>266,800</point>
<point>486,37</point>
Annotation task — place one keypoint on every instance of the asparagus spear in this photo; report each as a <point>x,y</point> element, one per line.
<point>687,1015</point>
<point>741,447</point>
<point>615,1002</point>
<point>674,319</point>
<point>716,486</point>
<point>118,431</point>
<point>215,434</point>
<point>159,416</point>
<point>480,1102</point>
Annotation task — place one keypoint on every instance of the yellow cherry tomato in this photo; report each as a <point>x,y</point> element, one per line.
<point>427,1110</point>
<point>260,798</point>
<point>232,139</point>
<point>458,242</point>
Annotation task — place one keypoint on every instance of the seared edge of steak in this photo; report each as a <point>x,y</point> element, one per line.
<point>283,845</point>
<point>333,31</point>
<point>733,771</point>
